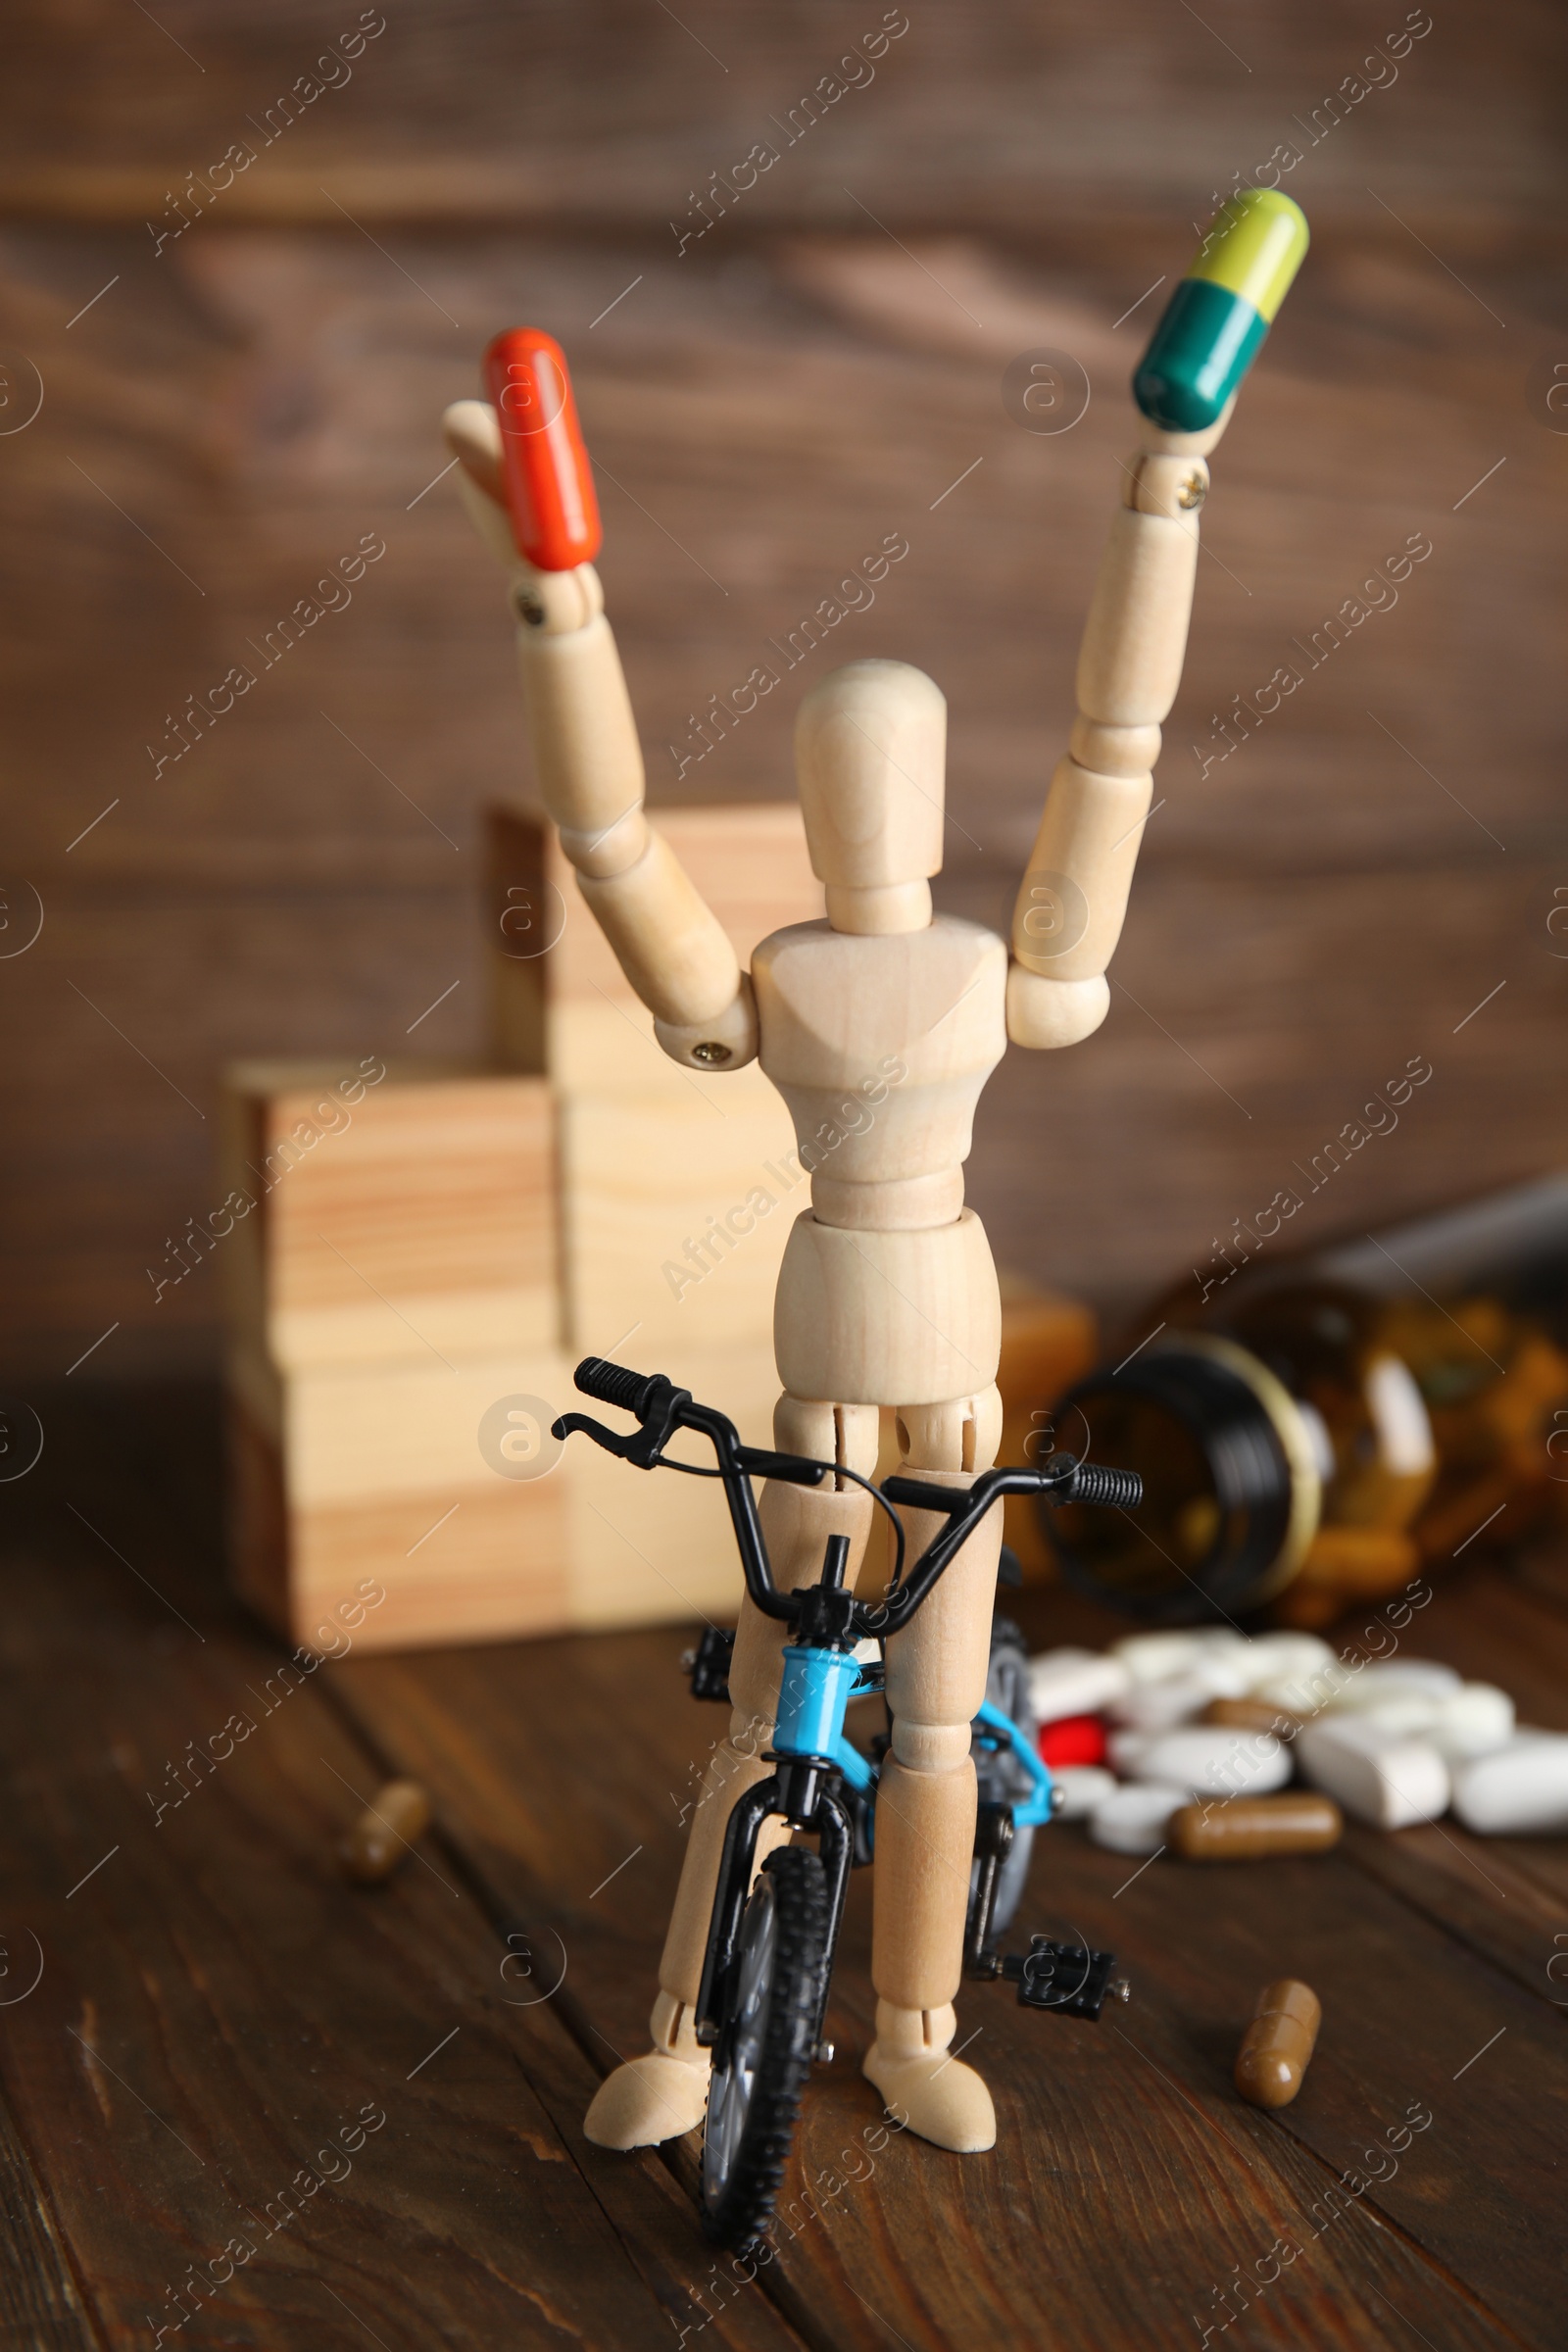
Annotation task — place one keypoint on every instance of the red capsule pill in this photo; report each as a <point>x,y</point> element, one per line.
<point>550,483</point>
<point>1073,1739</point>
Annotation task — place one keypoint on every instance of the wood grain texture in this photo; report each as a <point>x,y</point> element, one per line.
<point>240,410</point>
<point>1156,2092</point>
<point>39,2302</point>
<point>376,1221</point>
<point>218,2004</point>
<point>546,118</point>
<point>216,1967</point>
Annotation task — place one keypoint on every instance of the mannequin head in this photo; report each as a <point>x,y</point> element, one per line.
<point>870,743</point>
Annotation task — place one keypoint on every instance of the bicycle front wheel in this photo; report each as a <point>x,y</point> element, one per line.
<point>765,2045</point>
<point>1002,1779</point>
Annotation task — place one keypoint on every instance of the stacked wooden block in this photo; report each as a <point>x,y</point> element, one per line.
<point>395,1277</point>
<point>429,1251</point>
<point>431,1246</point>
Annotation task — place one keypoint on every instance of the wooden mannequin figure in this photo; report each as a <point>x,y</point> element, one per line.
<point>887,1295</point>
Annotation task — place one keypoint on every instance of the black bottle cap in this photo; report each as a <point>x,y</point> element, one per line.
<point>1218,1490</point>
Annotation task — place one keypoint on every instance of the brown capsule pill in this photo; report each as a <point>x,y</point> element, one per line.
<point>1279,2044</point>
<point>1247,1829</point>
<point>1251,1715</point>
<point>381,1836</point>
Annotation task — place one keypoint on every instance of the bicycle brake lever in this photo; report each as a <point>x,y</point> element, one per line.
<point>570,1425</point>
<point>642,1448</point>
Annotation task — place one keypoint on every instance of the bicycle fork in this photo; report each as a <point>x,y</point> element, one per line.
<point>813,1759</point>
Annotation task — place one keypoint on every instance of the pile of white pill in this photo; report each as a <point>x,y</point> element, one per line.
<point>1213,1714</point>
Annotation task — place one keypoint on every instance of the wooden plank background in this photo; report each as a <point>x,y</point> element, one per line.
<point>226,416</point>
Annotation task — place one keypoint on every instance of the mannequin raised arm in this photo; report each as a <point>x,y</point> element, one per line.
<point>525,481</point>
<point>1073,897</point>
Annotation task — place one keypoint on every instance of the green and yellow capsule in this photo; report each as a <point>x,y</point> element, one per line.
<point>1220,313</point>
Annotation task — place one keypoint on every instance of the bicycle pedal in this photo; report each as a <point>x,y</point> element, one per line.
<point>708,1664</point>
<point>1067,1978</point>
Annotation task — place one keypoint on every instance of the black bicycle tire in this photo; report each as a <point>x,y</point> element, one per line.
<point>740,2216</point>
<point>1004,1780</point>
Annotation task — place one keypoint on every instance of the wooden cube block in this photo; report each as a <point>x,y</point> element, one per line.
<point>342,1475</point>
<point>559,1002</point>
<point>409,1217</point>
<point>675,1211</point>
<point>393,1474</point>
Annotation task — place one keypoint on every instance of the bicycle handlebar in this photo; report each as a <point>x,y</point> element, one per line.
<point>612,1384</point>
<point>661,1408</point>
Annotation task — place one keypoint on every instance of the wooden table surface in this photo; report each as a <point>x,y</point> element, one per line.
<point>221,2020</point>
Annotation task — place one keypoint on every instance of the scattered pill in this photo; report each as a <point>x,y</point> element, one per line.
<point>1472,1723</point>
<point>1213,1713</point>
<point>385,1832</point>
<point>1278,2044</point>
<point>1179,1697</point>
<point>1188,1650</point>
<point>1520,1790</point>
<point>1151,1657</point>
<point>1125,1750</point>
<point>1131,1820</point>
<point>1074,1682</point>
<point>1381,1777</point>
<point>1072,1740</point>
<point>1247,1829</point>
<point>1154,1706</point>
<point>1303,1695</point>
<point>1270,1656</point>
<point>1369,1685</point>
<point>1251,1715</point>
<point>1207,1760</point>
<point>1083,1788</point>
<point>1399,1714</point>
<point>1223,1641</point>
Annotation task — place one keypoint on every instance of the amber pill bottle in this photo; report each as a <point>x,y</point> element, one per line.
<point>1315,1431</point>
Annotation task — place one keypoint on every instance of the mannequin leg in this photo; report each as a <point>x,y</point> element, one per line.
<point>663,2092</point>
<point>925,1812</point>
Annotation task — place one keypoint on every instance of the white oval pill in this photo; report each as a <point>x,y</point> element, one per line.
<point>1174,1699</point>
<point>1213,1760</point>
<point>1271,1656</point>
<point>1126,1750</point>
<point>1384,1677</point>
<point>1074,1682</point>
<point>1133,1821</point>
<point>1477,1719</point>
<point>1303,1693</point>
<point>1384,1779</point>
<point>1520,1790</point>
<point>1084,1789</point>
<point>1222,1642</point>
<point>1402,1714</point>
<point>1149,1657</point>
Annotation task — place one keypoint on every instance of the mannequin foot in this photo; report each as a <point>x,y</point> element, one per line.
<point>931,2093</point>
<point>657,2096</point>
<point>647,2100</point>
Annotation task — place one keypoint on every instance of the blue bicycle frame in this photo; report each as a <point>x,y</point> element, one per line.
<point>815,1693</point>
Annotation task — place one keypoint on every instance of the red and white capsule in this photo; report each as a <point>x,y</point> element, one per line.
<point>548,480</point>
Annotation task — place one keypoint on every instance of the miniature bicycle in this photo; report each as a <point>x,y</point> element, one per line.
<point>770,1946</point>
